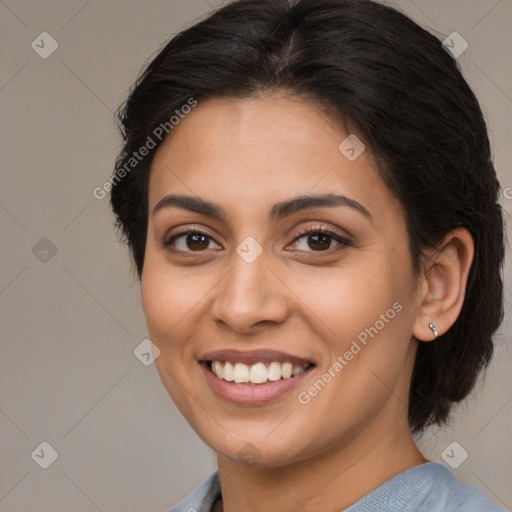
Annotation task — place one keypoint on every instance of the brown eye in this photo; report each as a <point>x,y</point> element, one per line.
<point>319,240</point>
<point>197,242</point>
<point>189,241</point>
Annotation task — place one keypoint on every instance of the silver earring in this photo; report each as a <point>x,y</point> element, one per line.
<point>433,328</point>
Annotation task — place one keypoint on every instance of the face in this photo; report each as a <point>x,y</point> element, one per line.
<point>250,278</point>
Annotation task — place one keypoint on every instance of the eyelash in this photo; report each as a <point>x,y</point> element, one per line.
<point>309,231</point>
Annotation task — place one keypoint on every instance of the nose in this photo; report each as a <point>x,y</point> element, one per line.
<point>250,295</point>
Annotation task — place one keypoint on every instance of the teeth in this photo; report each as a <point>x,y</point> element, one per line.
<point>297,370</point>
<point>228,371</point>
<point>240,373</point>
<point>286,370</point>
<point>274,371</point>
<point>257,373</point>
<point>218,370</point>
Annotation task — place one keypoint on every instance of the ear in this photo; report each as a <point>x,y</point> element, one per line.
<point>443,287</point>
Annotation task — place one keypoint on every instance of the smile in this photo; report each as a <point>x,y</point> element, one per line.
<point>252,377</point>
<point>259,373</point>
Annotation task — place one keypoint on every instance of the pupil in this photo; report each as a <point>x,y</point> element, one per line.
<point>195,245</point>
<point>320,245</point>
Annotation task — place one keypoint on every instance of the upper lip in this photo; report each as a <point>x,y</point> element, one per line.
<point>251,357</point>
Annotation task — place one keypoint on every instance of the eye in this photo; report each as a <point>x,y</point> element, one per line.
<point>319,239</point>
<point>190,240</point>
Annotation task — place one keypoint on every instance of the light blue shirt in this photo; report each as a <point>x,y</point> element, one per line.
<point>430,487</point>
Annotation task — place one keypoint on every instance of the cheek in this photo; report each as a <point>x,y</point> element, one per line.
<point>364,321</point>
<point>366,345</point>
<point>165,305</point>
<point>166,297</point>
<point>349,299</point>
<point>157,299</point>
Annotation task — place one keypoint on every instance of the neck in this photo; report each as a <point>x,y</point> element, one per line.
<point>332,480</point>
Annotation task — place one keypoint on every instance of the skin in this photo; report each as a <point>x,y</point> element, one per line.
<point>245,156</point>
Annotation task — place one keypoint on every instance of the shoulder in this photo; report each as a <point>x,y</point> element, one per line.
<point>452,495</point>
<point>430,487</point>
<point>201,499</point>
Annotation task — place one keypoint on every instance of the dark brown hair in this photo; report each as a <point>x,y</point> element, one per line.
<point>372,66</point>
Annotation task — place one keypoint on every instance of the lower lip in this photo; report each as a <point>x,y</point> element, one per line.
<point>251,394</point>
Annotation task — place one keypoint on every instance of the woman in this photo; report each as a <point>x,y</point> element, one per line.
<point>309,198</point>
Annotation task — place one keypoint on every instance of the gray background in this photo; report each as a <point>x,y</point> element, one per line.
<point>69,325</point>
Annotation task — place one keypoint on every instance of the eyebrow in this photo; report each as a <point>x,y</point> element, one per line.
<point>278,212</point>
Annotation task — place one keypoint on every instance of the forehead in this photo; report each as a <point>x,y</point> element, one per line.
<point>250,149</point>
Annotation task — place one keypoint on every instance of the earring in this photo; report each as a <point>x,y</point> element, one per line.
<point>433,328</point>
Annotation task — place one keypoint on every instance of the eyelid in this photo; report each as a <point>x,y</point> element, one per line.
<point>187,230</point>
<point>311,230</point>
<point>301,233</point>
<point>342,240</point>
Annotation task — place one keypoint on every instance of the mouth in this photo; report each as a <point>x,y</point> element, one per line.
<point>255,377</point>
<point>255,374</point>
